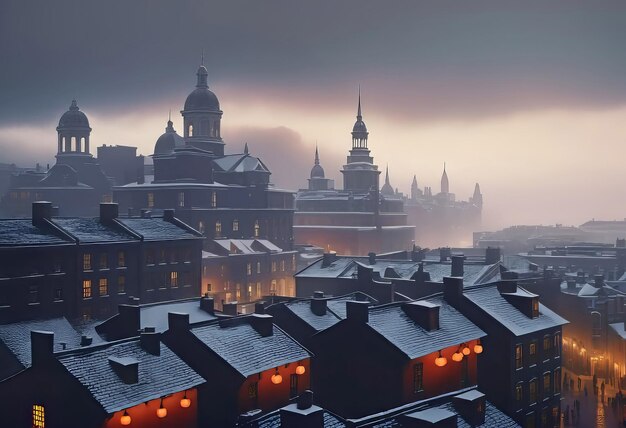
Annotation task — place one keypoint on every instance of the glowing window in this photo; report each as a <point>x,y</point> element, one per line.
<point>103,287</point>
<point>273,266</point>
<point>518,356</point>
<point>218,228</point>
<point>86,261</point>
<point>282,265</point>
<point>174,279</point>
<point>39,416</point>
<point>86,289</point>
<point>249,268</point>
<point>257,229</point>
<point>258,267</point>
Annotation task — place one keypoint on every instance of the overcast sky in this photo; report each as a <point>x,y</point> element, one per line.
<point>527,98</point>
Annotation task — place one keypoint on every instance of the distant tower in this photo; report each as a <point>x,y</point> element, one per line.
<point>445,186</point>
<point>318,181</point>
<point>415,191</point>
<point>73,133</point>
<point>360,175</point>
<point>477,198</point>
<point>202,117</point>
<point>387,190</point>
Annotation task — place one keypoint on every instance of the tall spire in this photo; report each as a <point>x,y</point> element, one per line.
<point>387,190</point>
<point>202,57</point>
<point>387,174</point>
<point>445,185</point>
<point>359,130</point>
<point>358,114</point>
<point>317,156</point>
<point>245,149</point>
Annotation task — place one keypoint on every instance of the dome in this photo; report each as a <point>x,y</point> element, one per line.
<point>202,99</point>
<point>74,118</point>
<point>359,126</point>
<point>317,171</point>
<point>168,141</point>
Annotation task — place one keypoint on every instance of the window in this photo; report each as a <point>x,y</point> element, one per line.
<point>150,200</point>
<point>190,130</point>
<point>547,391</point>
<point>293,262</point>
<point>518,356</point>
<point>218,228</point>
<point>58,294</point>
<point>86,289</point>
<point>253,390</point>
<point>530,420</point>
<point>293,385</point>
<point>213,199</point>
<point>282,265</point>
<point>547,347</point>
<point>104,263</point>
<point>258,267</point>
<point>273,266</point>
<point>103,286</point>
<point>162,257</point>
<point>235,225</point>
<point>121,284</point>
<point>121,259</point>
<point>557,345</point>
<point>33,294</point>
<point>519,394</point>
<point>258,290</point>
<point>418,377</point>
<point>544,417</point>
<point>557,380</point>
<point>257,229</point>
<point>86,261</point>
<point>249,269</point>
<point>535,307</point>
<point>273,288</point>
<point>39,416</point>
<point>532,352</point>
<point>173,279</point>
<point>181,199</point>
<point>532,391</point>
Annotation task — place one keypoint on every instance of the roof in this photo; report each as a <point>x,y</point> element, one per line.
<point>159,375</point>
<point>489,300</point>
<point>272,420</point>
<point>156,229</point>
<point>247,246</point>
<point>618,328</point>
<point>155,315</point>
<point>92,230</point>
<point>244,349</point>
<point>240,163</point>
<point>23,232</point>
<point>391,322</point>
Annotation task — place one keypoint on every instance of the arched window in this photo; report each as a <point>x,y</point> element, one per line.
<point>201,226</point>
<point>190,130</point>
<point>73,144</point>
<point>218,229</point>
<point>257,229</point>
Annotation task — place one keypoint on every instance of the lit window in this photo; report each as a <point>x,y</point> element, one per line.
<point>293,262</point>
<point>104,263</point>
<point>532,391</point>
<point>282,265</point>
<point>121,259</point>
<point>273,266</point>
<point>103,287</point>
<point>213,199</point>
<point>86,261</point>
<point>532,352</point>
<point>258,290</point>
<point>39,416</point>
<point>150,200</point>
<point>181,199</point>
<point>218,228</point>
<point>418,377</point>
<point>174,279</point>
<point>258,267</point>
<point>518,356</point>
<point>235,225</point>
<point>121,284</point>
<point>249,268</point>
<point>273,288</point>
<point>257,229</point>
<point>535,307</point>
<point>86,289</point>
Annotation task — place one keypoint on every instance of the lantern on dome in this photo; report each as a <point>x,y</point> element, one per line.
<point>161,411</point>
<point>125,419</point>
<point>465,349</point>
<point>441,361</point>
<point>277,378</point>
<point>478,348</point>
<point>185,402</point>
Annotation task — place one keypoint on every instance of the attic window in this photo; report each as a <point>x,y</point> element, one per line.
<point>535,307</point>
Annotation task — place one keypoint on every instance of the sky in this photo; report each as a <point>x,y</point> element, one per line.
<point>526,98</point>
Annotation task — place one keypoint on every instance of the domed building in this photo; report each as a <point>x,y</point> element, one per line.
<point>318,181</point>
<point>168,141</point>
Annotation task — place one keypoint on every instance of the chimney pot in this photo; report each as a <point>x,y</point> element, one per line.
<point>318,294</point>
<point>318,306</point>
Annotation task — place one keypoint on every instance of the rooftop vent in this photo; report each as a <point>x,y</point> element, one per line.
<point>126,368</point>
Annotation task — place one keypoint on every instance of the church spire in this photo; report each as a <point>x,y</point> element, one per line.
<point>387,190</point>
<point>387,174</point>
<point>359,130</point>
<point>445,185</point>
<point>358,113</point>
<point>245,149</point>
<point>317,156</point>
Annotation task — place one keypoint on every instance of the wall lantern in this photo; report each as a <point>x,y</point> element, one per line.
<point>300,369</point>
<point>441,361</point>
<point>277,378</point>
<point>478,348</point>
<point>161,411</point>
<point>466,350</point>
<point>185,402</point>
<point>125,419</point>
<point>458,355</point>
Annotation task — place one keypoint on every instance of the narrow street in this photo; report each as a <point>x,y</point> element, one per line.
<point>594,412</point>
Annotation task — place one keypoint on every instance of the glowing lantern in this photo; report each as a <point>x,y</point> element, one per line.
<point>277,378</point>
<point>458,355</point>
<point>161,411</point>
<point>185,402</point>
<point>440,361</point>
<point>466,350</point>
<point>125,419</point>
<point>478,348</point>
<point>300,369</point>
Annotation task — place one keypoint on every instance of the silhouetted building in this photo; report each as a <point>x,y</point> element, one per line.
<point>359,218</point>
<point>121,164</point>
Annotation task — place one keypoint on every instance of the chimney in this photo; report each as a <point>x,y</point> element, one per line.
<point>259,308</point>
<point>302,414</point>
<point>453,290</point>
<point>471,407</point>
<point>357,311</point>
<point>571,284</point>
<point>328,258</point>
<point>168,215</point>
<point>433,417</point>
<point>318,306</point>
<point>150,341</point>
<point>86,340</point>
<point>457,265</point>
<point>598,280</point>
<point>318,294</point>
<point>580,277</point>
<point>41,347</point>
<point>177,321</point>
<point>145,213</point>
<point>444,254</point>
<point>108,212</point>
<point>508,283</point>
<point>126,368</point>
<point>230,309</point>
<point>424,313</point>
<point>262,323</point>
<point>42,210</point>
<point>207,304</point>
<point>492,255</point>
<point>371,258</point>
<point>129,320</point>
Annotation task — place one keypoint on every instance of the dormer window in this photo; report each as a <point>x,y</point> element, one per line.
<point>535,307</point>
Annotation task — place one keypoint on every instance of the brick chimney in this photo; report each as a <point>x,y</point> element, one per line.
<point>178,321</point>
<point>302,414</point>
<point>207,304</point>
<point>42,211</point>
<point>108,212</point>
<point>41,347</point>
<point>357,311</point>
<point>453,290</point>
<point>424,313</point>
<point>150,341</point>
<point>457,265</point>
<point>262,323</point>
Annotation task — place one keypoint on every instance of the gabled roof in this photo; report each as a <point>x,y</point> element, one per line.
<point>489,300</point>
<point>159,375</point>
<point>245,350</point>
<point>240,163</point>
<point>92,230</point>
<point>272,420</point>
<point>22,232</point>
<point>156,229</point>
<point>155,314</point>
<point>392,323</point>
